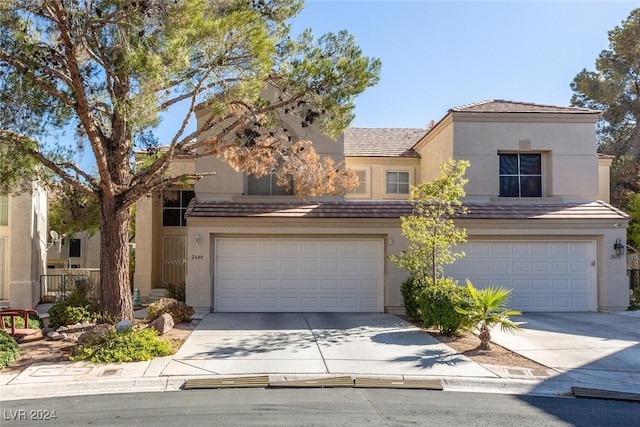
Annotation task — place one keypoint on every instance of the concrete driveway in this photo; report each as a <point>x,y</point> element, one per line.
<point>599,349</point>
<point>372,344</point>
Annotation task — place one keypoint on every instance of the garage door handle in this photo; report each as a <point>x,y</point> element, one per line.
<point>593,263</point>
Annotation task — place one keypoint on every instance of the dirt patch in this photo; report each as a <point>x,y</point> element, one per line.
<point>467,344</point>
<point>41,351</point>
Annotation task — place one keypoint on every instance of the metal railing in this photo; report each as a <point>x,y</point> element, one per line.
<point>58,287</point>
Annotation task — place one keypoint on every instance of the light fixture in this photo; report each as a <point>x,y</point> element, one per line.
<point>619,248</point>
<point>197,239</point>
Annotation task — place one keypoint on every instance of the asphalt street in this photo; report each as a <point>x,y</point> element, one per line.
<point>318,407</point>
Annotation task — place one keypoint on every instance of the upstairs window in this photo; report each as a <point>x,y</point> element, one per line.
<point>520,175</point>
<point>174,207</point>
<point>397,182</point>
<point>361,189</point>
<point>267,186</point>
<point>4,209</point>
<point>75,248</point>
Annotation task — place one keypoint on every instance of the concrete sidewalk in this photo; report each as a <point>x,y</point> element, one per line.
<point>294,346</point>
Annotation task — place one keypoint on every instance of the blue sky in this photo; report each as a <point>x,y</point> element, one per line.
<point>438,55</point>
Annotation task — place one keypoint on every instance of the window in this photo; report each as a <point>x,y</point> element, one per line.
<point>267,186</point>
<point>397,182</point>
<point>75,248</point>
<point>174,207</point>
<point>520,175</point>
<point>4,209</point>
<point>362,183</point>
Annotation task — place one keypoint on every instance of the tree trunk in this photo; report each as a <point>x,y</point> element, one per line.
<point>485,338</point>
<point>115,292</point>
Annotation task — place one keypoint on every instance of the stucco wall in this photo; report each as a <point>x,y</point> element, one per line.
<point>27,240</point>
<point>568,145</point>
<point>435,148</point>
<point>377,168</point>
<point>604,179</point>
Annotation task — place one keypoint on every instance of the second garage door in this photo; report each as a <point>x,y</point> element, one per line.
<point>544,276</point>
<point>299,274</point>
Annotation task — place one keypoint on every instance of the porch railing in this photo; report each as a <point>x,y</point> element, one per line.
<point>59,285</point>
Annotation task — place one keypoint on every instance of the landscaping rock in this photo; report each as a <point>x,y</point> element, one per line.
<point>56,336</point>
<point>123,325</point>
<point>163,324</point>
<point>96,334</point>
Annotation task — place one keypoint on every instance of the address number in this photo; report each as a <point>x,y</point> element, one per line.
<point>200,256</point>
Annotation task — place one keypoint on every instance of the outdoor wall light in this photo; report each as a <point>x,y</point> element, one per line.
<point>197,239</point>
<point>619,248</point>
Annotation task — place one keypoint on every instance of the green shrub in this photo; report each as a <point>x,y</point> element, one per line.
<point>9,350</point>
<point>634,302</point>
<point>72,311</point>
<point>411,289</point>
<point>132,345</point>
<point>34,322</point>
<point>177,292</point>
<point>180,311</point>
<point>438,306</point>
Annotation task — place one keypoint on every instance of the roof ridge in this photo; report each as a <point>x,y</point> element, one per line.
<point>525,103</point>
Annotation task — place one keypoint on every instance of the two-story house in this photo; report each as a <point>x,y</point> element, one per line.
<point>536,222</point>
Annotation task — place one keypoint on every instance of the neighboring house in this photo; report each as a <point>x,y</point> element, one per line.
<point>536,222</point>
<point>23,242</point>
<point>82,250</point>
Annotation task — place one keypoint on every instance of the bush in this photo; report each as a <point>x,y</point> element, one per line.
<point>180,311</point>
<point>131,345</point>
<point>9,350</point>
<point>34,322</point>
<point>177,292</point>
<point>634,302</point>
<point>72,311</point>
<point>438,306</point>
<point>411,289</point>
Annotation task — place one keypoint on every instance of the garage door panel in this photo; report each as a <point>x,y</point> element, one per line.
<point>544,276</point>
<point>320,275</point>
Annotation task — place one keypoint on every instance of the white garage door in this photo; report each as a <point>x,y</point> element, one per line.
<point>305,274</point>
<point>544,276</point>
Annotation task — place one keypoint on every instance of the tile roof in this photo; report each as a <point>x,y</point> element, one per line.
<point>502,106</point>
<point>382,142</point>
<point>396,209</point>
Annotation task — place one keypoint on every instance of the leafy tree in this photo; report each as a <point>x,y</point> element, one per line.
<point>485,308</point>
<point>614,88</point>
<point>109,70</point>
<point>71,211</point>
<point>430,228</point>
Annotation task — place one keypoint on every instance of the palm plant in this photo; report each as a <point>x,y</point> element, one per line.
<point>485,308</point>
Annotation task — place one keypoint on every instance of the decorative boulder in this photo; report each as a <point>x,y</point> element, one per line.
<point>163,324</point>
<point>123,325</point>
<point>96,334</point>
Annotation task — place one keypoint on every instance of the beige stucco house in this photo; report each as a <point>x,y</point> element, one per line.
<point>538,222</point>
<point>23,242</point>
